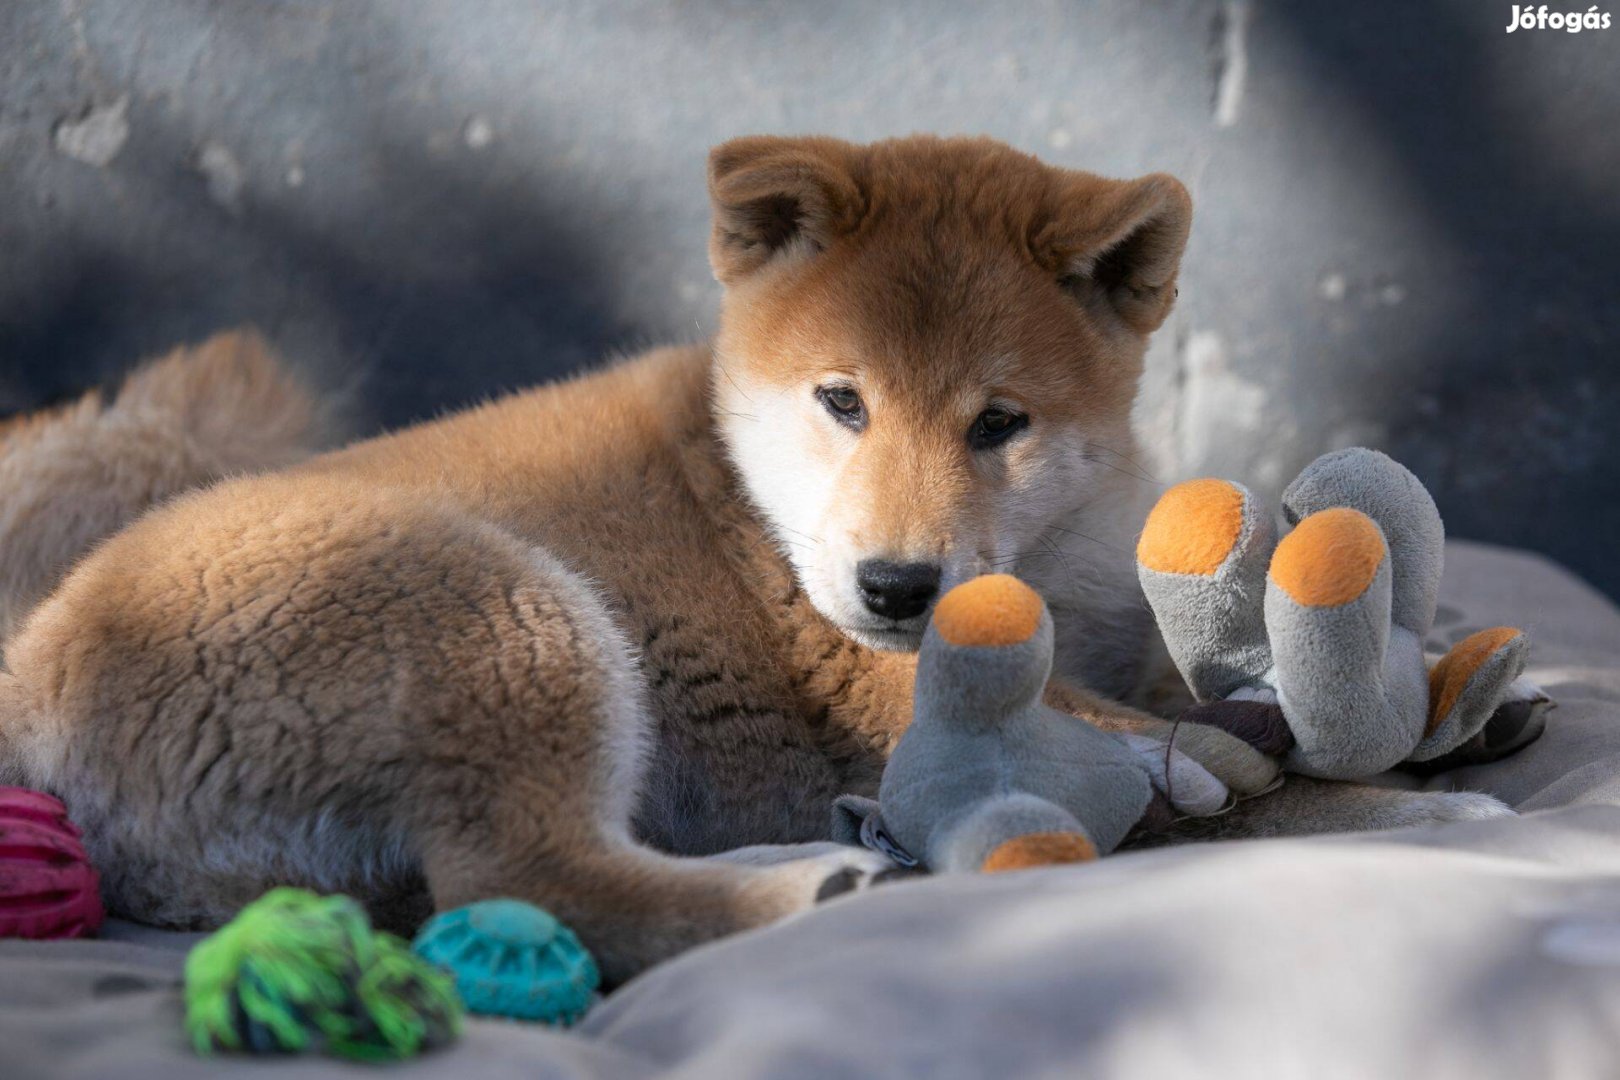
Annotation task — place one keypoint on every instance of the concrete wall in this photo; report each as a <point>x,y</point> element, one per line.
<point>1407,230</point>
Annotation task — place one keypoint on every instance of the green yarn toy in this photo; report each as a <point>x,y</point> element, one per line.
<point>512,959</point>
<point>295,971</point>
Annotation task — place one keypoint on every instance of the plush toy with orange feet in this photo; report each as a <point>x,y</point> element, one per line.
<point>1326,625</point>
<point>989,778</point>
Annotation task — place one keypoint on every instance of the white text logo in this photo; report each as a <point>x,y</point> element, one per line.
<point>1574,22</point>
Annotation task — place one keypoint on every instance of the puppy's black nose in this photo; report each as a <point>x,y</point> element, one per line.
<point>896,590</point>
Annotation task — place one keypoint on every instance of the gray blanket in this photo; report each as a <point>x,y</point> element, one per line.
<point>1478,950</point>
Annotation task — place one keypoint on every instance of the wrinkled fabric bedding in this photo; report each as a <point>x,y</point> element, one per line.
<point>1481,949</point>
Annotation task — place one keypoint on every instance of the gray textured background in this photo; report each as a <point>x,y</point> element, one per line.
<point>1407,228</point>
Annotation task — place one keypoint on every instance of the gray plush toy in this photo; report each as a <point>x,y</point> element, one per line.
<point>987,777</point>
<point>1327,624</point>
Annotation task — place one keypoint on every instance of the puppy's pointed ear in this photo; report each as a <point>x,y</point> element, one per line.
<point>773,196</point>
<point>1117,244</point>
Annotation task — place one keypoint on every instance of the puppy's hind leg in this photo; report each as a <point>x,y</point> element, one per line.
<point>539,805</point>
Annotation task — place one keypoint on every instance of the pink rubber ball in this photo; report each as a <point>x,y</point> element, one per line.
<point>48,889</point>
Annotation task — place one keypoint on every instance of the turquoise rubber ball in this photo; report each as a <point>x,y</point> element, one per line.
<point>512,959</point>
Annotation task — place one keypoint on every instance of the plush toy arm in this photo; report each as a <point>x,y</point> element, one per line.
<point>1189,787</point>
<point>1352,685</point>
<point>1234,763</point>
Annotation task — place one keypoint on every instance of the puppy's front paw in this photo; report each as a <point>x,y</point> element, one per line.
<point>794,877</point>
<point>852,871</point>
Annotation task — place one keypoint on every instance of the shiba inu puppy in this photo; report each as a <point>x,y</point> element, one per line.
<point>583,644</point>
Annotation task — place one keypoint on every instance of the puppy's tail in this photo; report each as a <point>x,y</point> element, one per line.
<point>72,475</point>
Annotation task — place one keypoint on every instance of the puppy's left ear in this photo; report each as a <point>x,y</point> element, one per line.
<point>1117,244</point>
<point>778,198</point>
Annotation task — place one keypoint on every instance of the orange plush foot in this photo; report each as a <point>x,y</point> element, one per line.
<point>1193,528</point>
<point>996,609</point>
<point>1467,684</point>
<point>1039,849</point>
<point>1329,559</point>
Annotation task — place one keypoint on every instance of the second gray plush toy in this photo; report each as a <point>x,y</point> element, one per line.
<point>1328,623</point>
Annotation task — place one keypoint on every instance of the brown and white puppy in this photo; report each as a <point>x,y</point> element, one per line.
<point>556,646</point>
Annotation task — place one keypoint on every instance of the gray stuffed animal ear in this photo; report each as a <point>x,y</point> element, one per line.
<point>1449,705</point>
<point>858,822</point>
<point>1470,684</point>
<point>849,814</point>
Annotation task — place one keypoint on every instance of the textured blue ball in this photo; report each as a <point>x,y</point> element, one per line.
<point>512,959</point>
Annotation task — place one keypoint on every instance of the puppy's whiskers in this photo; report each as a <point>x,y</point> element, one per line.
<point>1122,455</point>
<point>721,363</point>
<point>1086,536</point>
<point>776,527</point>
<point>1137,472</point>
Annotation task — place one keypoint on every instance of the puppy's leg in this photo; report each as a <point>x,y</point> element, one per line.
<point>634,906</point>
<point>1303,806</point>
<point>554,791</point>
<point>777,854</point>
<point>294,681</point>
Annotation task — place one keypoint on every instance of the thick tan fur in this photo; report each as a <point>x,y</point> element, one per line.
<point>570,645</point>
<point>75,474</point>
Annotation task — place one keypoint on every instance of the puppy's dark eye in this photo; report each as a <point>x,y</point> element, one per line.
<point>844,404</point>
<point>995,426</point>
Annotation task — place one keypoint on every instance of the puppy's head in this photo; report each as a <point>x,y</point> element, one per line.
<point>928,349</point>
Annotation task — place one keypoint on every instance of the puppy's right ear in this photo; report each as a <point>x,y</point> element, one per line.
<point>776,196</point>
<point>1117,244</point>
